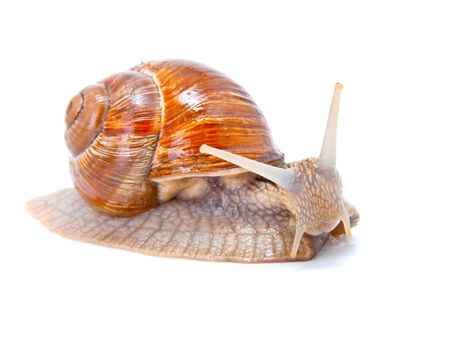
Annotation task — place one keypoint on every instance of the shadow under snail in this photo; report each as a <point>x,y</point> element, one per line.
<point>172,158</point>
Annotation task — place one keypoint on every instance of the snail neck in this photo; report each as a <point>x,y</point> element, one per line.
<point>192,188</point>
<point>248,198</point>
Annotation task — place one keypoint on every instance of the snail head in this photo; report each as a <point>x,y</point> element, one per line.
<point>311,188</point>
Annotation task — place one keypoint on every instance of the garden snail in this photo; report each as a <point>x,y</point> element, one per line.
<point>172,158</point>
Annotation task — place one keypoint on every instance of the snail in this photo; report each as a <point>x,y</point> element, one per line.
<point>172,158</point>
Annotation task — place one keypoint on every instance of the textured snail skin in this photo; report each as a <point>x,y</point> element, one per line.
<point>249,225</point>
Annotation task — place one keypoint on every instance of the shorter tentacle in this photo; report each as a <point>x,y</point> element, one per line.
<point>299,232</point>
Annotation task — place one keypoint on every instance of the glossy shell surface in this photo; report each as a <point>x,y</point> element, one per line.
<point>145,125</point>
<point>204,106</point>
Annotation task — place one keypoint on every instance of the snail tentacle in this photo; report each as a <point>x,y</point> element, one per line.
<point>327,158</point>
<point>285,178</point>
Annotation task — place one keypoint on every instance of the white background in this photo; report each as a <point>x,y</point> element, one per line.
<point>400,283</point>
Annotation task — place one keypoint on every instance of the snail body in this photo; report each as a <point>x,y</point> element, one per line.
<point>172,158</point>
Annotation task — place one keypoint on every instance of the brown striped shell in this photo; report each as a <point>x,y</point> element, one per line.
<point>137,128</point>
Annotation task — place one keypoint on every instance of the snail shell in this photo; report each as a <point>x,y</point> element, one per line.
<point>186,142</point>
<point>138,129</point>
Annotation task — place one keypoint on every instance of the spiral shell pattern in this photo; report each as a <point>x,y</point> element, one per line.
<point>85,116</point>
<point>112,138</point>
<point>146,125</point>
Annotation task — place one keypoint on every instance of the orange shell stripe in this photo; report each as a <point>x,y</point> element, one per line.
<point>111,173</point>
<point>203,106</point>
